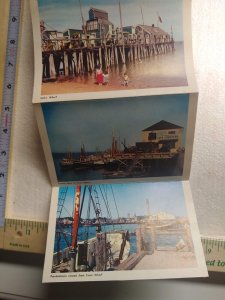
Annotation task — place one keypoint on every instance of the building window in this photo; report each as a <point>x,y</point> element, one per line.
<point>172,132</point>
<point>152,136</point>
<point>91,15</point>
<point>93,25</point>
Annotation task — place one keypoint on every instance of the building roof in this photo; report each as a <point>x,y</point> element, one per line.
<point>98,10</point>
<point>102,21</point>
<point>153,30</point>
<point>162,125</point>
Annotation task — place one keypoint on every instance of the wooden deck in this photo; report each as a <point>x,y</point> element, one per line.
<point>166,260</point>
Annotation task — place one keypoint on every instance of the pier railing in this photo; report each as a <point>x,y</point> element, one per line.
<point>147,237</point>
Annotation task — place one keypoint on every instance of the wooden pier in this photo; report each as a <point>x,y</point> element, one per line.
<point>166,260</point>
<point>147,235</point>
<point>72,62</point>
<point>149,253</point>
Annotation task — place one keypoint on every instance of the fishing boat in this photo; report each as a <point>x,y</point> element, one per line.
<point>158,152</point>
<point>67,162</point>
<point>103,251</point>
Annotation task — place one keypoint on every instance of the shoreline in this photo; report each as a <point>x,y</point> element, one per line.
<point>158,71</point>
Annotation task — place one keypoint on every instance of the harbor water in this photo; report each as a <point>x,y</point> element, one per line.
<point>87,232</point>
<point>158,168</point>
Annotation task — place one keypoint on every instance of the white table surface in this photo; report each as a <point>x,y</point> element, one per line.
<point>20,278</point>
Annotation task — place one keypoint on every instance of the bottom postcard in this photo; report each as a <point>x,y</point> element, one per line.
<point>123,232</point>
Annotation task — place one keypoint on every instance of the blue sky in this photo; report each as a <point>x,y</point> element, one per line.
<point>72,124</point>
<point>62,15</point>
<point>131,199</point>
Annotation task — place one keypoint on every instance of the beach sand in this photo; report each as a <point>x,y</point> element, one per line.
<point>165,70</point>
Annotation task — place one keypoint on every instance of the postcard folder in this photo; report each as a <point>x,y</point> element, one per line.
<point>115,98</point>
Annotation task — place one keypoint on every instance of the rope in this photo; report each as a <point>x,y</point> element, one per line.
<point>109,214</point>
<point>106,203</point>
<point>115,203</point>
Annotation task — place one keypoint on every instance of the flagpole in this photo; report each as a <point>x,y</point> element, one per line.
<point>142,15</point>
<point>121,25</point>
<point>143,35</point>
<point>159,19</point>
<point>172,31</point>
<point>82,17</point>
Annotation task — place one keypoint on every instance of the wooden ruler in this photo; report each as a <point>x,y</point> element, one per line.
<point>24,236</point>
<point>214,250</point>
<point>30,236</point>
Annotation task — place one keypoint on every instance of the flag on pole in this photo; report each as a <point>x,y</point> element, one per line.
<point>159,18</point>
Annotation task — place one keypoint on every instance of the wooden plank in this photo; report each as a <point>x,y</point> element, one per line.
<point>132,261</point>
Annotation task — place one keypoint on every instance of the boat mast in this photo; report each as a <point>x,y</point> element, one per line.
<point>75,228</point>
<point>96,206</point>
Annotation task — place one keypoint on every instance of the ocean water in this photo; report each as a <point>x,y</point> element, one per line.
<point>158,168</point>
<point>86,232</point>
<point>163,70</point>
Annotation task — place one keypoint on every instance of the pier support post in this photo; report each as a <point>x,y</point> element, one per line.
<point>188,238</point>
<point>72,260</point>
<point>138,240</point>
<point>153,240</point>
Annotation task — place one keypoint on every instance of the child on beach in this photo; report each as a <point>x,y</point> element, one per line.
<point>106,77</point>
<point>125,79</point>
<point>99,76</point>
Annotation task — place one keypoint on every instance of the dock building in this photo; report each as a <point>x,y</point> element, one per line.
<point>152,35</point>
<point>161,137</point>
<point>99,25</point>
<point>99,43</point>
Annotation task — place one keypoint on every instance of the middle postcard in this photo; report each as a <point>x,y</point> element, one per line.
<point>122,139</point>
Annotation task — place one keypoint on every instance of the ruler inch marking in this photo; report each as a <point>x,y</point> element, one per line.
<point>27,238</point>
<point>8,100</point>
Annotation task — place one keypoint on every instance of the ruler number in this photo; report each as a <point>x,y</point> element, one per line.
<point>8,99</point>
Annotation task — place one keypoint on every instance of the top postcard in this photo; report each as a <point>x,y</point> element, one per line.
<point>92,49</point>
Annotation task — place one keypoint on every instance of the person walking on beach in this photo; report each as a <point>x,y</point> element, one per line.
<point>125,79</point>
<point>99,76</point>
